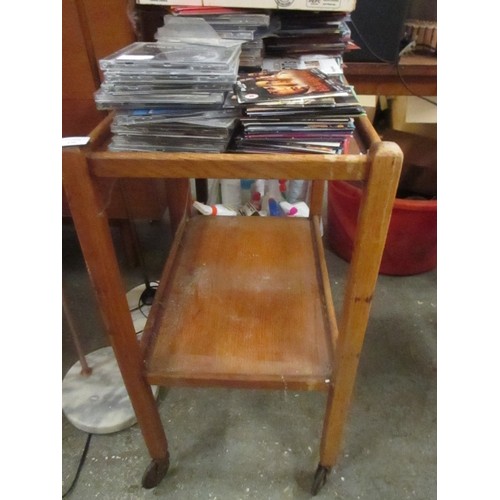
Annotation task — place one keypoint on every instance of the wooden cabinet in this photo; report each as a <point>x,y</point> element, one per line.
<point>92,29</point>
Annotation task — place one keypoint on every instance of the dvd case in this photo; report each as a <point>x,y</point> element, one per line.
<point>294,84</point>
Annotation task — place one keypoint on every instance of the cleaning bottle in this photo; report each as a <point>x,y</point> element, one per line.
<point>297,190</point>
<point>217,209</point>
<point>275,190</point>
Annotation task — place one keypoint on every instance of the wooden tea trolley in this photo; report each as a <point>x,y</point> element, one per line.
<point>243,302</point>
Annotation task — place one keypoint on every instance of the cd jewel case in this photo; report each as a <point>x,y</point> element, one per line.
<point>181,55</point>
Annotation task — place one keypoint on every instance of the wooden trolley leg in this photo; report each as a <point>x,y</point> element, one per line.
<point>373,223</point>
<point>92,227</point>
<point>178,200</point>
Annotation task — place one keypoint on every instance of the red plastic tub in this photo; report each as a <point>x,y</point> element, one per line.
<point>411,246</point>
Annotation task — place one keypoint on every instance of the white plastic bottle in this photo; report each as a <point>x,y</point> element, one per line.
<point>230,190</point>
<point>299,209</point>
<point>297,190</point>
<point>217,209</point>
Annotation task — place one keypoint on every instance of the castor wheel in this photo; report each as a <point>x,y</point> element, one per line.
<point>155,472</point>
<point>319,479</point>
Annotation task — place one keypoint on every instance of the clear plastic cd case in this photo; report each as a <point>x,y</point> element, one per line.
<point>176,55</point>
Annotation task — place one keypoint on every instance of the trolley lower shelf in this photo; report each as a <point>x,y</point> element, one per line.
<point>243,304</point>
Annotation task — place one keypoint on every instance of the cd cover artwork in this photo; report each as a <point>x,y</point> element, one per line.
<point>288,84</point>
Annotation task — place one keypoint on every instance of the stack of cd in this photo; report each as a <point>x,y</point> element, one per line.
<point>309,33</point>
<point>252,55</point>
<point>250,26</point>
<point>169,130</point>
<point>152,74</point>
<point>295,111</point>
<point>169,95</point>
<point>308,40</point>
<point>300,101</point>
<point>232,24</point>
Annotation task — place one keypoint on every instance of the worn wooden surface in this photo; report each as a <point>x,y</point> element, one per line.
<point>92,226</point>
<point>245,306</point>
<point>373,222</point>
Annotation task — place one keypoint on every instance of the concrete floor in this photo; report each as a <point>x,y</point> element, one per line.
<point>241,444</point>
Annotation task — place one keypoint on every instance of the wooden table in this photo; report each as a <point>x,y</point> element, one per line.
<point>418,72</point>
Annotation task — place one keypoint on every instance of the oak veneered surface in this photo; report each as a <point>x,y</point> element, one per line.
<point>242,305</point>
